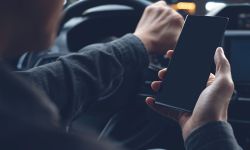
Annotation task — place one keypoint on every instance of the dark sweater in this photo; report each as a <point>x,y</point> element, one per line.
<point>99,74</point>
<point>212,136</point>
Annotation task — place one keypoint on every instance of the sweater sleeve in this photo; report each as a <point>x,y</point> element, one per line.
<point>100,74</point>
<point>212,136</point>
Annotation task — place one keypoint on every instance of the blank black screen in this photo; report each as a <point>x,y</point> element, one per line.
<point>190,65</point>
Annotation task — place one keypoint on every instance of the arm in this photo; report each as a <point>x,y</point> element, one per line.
<point>99,72</point>
<point>214,135</point>
<point>108,71</point>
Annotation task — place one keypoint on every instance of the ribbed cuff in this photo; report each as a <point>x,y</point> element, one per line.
<point>211,135</point>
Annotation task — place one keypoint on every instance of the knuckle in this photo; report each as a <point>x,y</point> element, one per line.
<point>159,6</point>
<point>149,8</point>
<point>230,85</point>
<point>167,11</point>
<point>227,84</point>
<point>176,17</point>
<point>160,3</point>
<point>155,9</point>
<point>161,9</point>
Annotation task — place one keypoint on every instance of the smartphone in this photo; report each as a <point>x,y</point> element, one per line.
<point>191,63</point>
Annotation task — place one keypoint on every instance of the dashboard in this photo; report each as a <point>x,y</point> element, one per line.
<point>244,21</point>
<point>237,46</point>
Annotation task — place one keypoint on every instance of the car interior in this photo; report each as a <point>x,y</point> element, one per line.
<point>87,22</point>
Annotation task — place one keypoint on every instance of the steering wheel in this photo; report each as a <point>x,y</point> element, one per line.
<point>100,19</point>
<point>91,21</point>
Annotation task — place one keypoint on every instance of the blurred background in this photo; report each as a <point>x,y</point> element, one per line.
<point>197,7</point>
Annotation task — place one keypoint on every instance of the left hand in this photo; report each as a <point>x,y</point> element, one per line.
<point>159,28</point>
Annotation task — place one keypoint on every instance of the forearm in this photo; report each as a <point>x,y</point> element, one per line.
<point>97,73</point>
<point>215,135</point>
<point>110,72</point>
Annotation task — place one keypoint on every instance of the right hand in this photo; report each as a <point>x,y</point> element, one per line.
<point>159,28</point>
<point>212,104</point>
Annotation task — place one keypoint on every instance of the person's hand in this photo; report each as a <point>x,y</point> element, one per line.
<point>159,27</point>
<point>213,102</point>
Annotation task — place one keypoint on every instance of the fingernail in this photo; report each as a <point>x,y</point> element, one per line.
<point>221,51</point>
<point>148,101</point>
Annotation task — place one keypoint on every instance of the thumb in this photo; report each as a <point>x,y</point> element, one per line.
<point>221,62</point>
<point>223,79</point>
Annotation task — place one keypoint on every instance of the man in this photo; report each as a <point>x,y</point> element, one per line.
<point>78,81</point>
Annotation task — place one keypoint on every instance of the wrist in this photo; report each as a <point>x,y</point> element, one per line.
<point>209,133</point>
<point>148,44</point>
<point>190,127</point>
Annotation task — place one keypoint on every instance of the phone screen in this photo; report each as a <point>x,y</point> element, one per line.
<point>190,66</point>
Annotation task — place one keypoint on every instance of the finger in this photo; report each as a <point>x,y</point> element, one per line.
<point>210,79</point>
<point>223,72</point>
<point>162,73</point>
<point>221,62</point>
<point>155,85</point>
<point>169,54</point>
<point>150,101</point>
<point>164,111</point>
<point>223,82</point>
